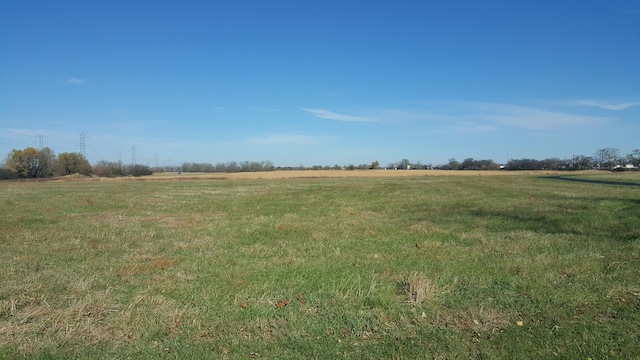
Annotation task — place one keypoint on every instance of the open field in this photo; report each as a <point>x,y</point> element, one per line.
<point>311,174</point>
<point>511,265</point>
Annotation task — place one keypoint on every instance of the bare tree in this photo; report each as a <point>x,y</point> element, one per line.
<point>634,157</point>
<point>607,157</point>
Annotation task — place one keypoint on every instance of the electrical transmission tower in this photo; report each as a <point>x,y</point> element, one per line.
<point>83,144</point>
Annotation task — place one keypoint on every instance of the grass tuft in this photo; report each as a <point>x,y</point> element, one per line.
<point>418,288</point>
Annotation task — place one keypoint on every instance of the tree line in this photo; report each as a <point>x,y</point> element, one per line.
<point>43,163</point>
<point>229,167</point>
<point>603,159</point>
<point>110,168</point>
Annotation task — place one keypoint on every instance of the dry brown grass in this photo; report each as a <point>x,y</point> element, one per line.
<point>318,174</point>
<point>478,320</point>
<point>419,289</point>
<point>297,174</point>
<point>81,318</point>
<point>312,174</point>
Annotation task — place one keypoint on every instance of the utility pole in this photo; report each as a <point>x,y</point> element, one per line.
<point>41,138</point>
<point>120,161</point>
<point>133,160</point>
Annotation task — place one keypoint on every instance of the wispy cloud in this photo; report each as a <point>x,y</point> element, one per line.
<point>527,117</point>
<point>481,116</point>
<point>287,139</point>
<point>473,127</point>
<point>608,105</point>
<point>76,81</point>
<point>326,114</point>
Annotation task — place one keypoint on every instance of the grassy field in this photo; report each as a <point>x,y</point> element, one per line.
<point>502,266</point>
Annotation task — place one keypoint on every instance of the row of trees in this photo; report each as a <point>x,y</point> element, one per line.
<point>105,168</point>
<point>604,159</point>
<point>33,163</point>
<point>110,169</point>
<point>402,164</point>
<point>229,167</point>
<point>469,164</point>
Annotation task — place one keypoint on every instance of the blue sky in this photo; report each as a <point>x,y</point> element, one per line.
<point>320,82</point>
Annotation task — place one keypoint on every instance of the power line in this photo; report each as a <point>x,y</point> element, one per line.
<point>16,132</point>
<point>15,142</point>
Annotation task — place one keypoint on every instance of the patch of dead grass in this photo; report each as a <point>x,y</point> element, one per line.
<point>75,319</point>
<point>144,264</point>
<point>479,321</point>
<point>426,228</point>
<point>418,288</point>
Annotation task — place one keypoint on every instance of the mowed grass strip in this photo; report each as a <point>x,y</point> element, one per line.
<point>419,267</point>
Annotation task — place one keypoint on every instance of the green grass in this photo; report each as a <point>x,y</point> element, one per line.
<point>632,177</point>
<point>431,267</point>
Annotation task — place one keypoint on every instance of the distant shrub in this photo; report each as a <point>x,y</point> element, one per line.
<point>103,171</point>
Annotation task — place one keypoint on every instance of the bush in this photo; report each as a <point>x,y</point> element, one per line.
<point>103,171</point>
